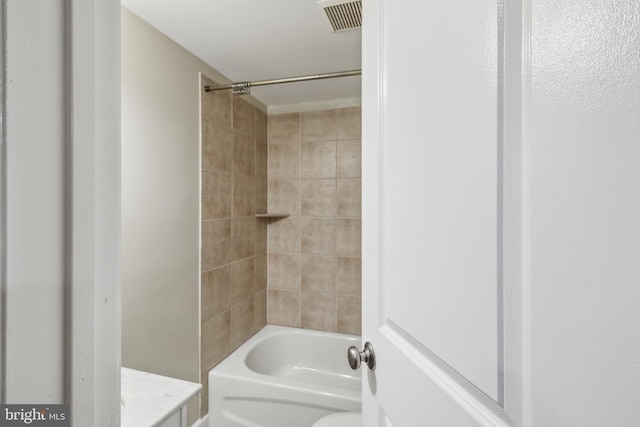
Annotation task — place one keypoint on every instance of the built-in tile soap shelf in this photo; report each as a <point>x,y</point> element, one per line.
<point>272,215</point>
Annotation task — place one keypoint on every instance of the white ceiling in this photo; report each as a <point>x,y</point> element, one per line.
<point>262,39</point>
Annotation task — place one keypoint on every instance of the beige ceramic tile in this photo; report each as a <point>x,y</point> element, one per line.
<point>204,393</point>
<point>207,133</point>
<point>349,123</point>
<point>216,106</point>
<point>284,161</point>
<point>261,125</point>
<point>262,160</point>
<point>243,237</point>
<point>244,195</point>
<point>216,243</point>
<point>319,311</point>
<point>318,125</point>
<point>262,196</point>
<point>283,271</point>
<point>349,197</point>
<point>244,154</point>
<point>206,81</point>
<point>242,278</point>
<point>284,196</point>
<point>349,159</point>
<point>241,321</point>
<point>261,177</point>
<point>216,292</point>
<point>318,197</point>
<point>215,340</point>
<point>319,273</point>
<point>283,307</point>
<point>284,235</point>
<point>349,276</point>
<point>222,108</point>
<point>318,160</point>
<point>217,147</point>
<point>261,235</point>
<point>284,129</point>
<point>259,311</point>
<point>348,237</point>
<point>216,195</point>
<point>260,270</point>
<point>243,116</point>
<point>349,315</point>
<point>318,236</point>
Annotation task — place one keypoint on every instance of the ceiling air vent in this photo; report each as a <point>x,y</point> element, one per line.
<point>342,15</point>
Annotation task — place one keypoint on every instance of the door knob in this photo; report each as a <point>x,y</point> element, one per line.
<point>367,356</point>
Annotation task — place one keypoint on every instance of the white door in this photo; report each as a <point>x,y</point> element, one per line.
<point>501,169</point>
<point>432,222</point>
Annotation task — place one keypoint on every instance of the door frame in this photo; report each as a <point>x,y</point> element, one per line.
<point>89,63</point>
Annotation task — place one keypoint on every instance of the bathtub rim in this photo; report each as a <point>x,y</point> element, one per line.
<point>234,365</point>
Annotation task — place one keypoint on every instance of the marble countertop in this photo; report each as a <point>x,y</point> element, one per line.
<point>149,399</point>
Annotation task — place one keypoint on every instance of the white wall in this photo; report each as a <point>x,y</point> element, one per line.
<point>582,195</point>
<point>160,202</point>
<point>160,208</point>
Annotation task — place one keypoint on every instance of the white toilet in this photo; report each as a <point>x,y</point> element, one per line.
<point>342,419</point>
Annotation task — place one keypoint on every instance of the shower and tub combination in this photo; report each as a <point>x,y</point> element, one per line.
<point>285,377</point>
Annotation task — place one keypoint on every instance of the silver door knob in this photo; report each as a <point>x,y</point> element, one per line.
<point>367,356</point>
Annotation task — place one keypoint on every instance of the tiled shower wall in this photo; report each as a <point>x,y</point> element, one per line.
<point>234,242</point>
<point>314,256</point>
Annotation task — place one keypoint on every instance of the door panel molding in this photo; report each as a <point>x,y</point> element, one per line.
<point>440,221</point>
<point>468,404</point>
<point>517,313</point>
<point>446,388</point>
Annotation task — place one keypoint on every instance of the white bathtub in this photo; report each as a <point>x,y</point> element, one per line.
<point>284,377</point>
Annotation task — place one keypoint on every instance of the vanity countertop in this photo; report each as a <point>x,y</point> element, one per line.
<point>149,399</point>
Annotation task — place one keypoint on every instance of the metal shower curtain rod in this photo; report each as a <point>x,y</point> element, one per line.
<point>243,88</point>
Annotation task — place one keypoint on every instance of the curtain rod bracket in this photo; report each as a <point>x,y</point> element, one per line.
<point>241,88</point>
